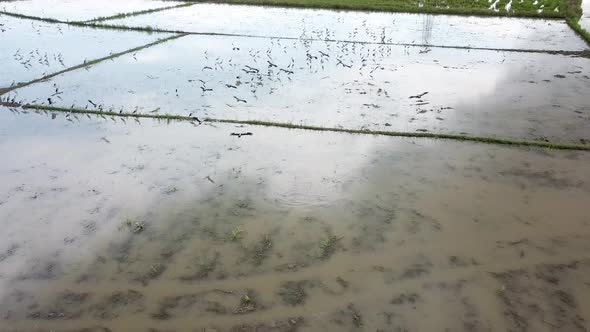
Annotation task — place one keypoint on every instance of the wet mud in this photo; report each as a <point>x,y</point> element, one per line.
<point>452,235</point>
<point>113,223</point>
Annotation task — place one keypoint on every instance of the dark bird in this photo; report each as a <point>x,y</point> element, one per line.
<point>90,101</point>
<point>252,68</point>
<point>240,100</point>
<point>207,67</point>
<point>419,96</point>
<point>49,101</point>
<point>241,134</point>
<point>343,64</point>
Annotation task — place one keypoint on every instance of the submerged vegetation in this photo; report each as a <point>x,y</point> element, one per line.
<point>136,226</point>
<point>236,234</point>
<point>328,246</point>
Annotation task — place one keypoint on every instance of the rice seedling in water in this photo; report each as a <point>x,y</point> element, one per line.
<point>236,234</point>
<point>328,246</point>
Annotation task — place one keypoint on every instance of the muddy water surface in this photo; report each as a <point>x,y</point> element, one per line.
<point>489,93</point>
<point>79,10</point>
<point>32,49</point>
<point>183,228</point>
<point>491,32</point>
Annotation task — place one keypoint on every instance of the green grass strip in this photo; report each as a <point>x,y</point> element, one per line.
<point>136,13</point>
<point>28,17</point>
<point>573,13</point>
<point>98,19</point>
<point>467,138</point>
<point>87,24</point>
<point>394,6</point>
<point>461,9</point>
<point>573,22</point>
<point>89,63</point>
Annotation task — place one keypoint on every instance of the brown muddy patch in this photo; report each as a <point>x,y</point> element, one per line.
<point>385,234</point>
<point>215,302</point>
<point>539,299</point>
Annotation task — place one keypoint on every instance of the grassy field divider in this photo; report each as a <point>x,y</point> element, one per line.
<point>88,24</point>
<point>90,63</point>
<point>35,18</point>
<point>386,7</point>
<point>573,13</point>
<point>573,22</point>
<point>363,6</point>
<point>137,13</point>
<point>97,19</point>
<point>194,120</point>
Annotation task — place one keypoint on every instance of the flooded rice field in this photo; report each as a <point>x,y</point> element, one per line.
<point>114,221</point>
<point>77,10</point>
<point>172,227</point>
<point>441,90</point>
<point>490,32</point>
<point>31,49</point>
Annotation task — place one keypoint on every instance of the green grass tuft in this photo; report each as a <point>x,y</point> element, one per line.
<point>171,190</point>
<point>328,246</point>
<point>236,234</point>
<point>134,226</point>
